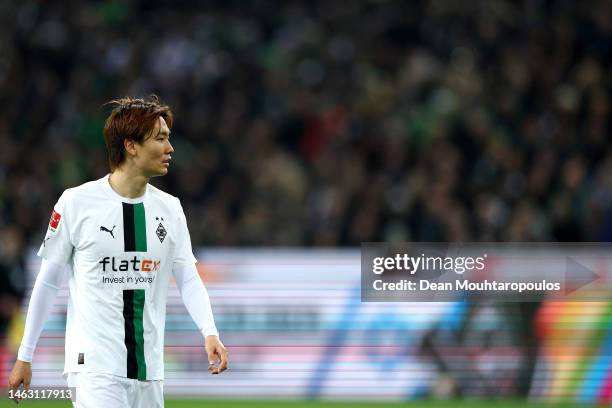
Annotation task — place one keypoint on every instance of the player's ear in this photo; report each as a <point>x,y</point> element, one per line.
<point>130,147</point>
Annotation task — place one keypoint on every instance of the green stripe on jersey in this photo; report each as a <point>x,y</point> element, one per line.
<point>133,313</point>
<point>140,227</point>
<point>139,300</point>
<point>134,228</point>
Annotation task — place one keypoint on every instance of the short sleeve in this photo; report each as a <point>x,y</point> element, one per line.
<point>57,245</point>
<point>183,253</point>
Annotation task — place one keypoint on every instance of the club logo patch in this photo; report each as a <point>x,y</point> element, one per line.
<point>161,232</point>
<point>54,222</point>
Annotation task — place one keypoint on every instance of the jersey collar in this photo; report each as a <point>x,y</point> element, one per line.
<point>107,187</point>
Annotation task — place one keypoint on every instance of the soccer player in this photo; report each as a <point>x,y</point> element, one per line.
<point>119,240</point>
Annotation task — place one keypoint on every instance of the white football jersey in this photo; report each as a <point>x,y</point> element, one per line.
<point>120,253</point>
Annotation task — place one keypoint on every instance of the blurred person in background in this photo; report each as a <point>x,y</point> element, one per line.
<point>12,289</point>
<point>119,240</point>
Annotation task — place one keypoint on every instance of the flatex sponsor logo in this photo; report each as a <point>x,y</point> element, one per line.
<point>113,264</point>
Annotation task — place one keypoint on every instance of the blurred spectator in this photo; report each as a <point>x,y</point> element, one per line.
<point>12,288</point>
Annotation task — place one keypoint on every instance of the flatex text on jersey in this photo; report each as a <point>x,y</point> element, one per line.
<point>135,264</point>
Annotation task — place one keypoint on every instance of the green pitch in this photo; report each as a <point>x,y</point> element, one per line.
<point>307,404</point>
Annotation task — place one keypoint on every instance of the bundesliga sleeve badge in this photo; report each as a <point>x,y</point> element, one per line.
<point>54,222</point>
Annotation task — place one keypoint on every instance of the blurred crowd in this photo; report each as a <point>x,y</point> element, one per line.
<point>322,123</point>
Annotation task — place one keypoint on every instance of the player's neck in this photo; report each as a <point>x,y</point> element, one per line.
<point>128,184</point>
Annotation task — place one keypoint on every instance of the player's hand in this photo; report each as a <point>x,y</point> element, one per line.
<point>21,374</point>
<point>217,355</point>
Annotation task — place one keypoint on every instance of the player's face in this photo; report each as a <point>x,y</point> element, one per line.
<point>153,156</point>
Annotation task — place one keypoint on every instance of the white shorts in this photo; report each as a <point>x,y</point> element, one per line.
<point>97,390</point>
